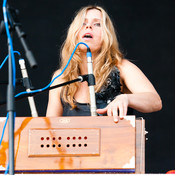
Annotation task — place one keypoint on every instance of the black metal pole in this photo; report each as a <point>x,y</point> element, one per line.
<point>79,79</point>
<point>11,112</point>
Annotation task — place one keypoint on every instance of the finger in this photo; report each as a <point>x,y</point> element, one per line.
<point>121,111</point>
<point>101,111</point>
<point>125,109</point>
<point>109,112</point>
<point>115,115</point>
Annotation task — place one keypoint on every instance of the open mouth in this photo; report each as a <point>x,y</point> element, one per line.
<point>87,35</point>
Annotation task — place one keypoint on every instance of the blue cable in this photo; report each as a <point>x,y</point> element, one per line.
<point>9,40</point>
<point>46,87</point>
<point>13,59</point>
<point>7,169</point>
<point>88,54</point>
<point>11,53</point>
<point>3,131</point>
<point>2,64</point>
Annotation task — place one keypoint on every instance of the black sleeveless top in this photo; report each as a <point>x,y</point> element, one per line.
<point>108,92</point>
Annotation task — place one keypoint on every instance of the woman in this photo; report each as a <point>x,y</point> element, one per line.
<point>119,83</point>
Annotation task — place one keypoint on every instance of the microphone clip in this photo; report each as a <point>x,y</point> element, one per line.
<point>89,78</point>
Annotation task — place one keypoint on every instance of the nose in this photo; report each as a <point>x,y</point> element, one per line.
<point>88,25</point>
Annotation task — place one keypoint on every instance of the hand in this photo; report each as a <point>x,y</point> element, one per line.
<point>117,108</point>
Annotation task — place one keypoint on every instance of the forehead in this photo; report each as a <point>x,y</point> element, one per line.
<point>93,14</point>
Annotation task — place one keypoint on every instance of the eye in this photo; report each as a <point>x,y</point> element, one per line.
<point>84,24</point>
<point>97,24</point>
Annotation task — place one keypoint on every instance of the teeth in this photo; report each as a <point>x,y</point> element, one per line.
<point>88,36</point>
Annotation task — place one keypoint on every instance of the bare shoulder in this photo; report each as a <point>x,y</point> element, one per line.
<point>54,107</point>
<point>126,64</point>
<point>133,79</point>
<point>128,68</point>
<point>57,77</point>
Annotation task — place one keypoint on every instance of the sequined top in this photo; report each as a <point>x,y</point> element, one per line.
<point>108,92</point>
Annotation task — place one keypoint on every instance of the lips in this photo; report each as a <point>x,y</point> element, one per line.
<point>87,36</point>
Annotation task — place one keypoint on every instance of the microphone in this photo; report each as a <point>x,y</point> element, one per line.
<point>27,86</point>
<point>16,25</point>
<point>91,83</point>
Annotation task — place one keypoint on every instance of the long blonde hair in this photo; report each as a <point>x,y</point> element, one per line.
<point>108,57</point>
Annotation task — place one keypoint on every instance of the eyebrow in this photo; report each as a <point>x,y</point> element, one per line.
<point>95,19</point>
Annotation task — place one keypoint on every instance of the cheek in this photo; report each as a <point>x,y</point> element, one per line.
<point>99,34</point>
<point>99,37</point>
<point>79,34</point>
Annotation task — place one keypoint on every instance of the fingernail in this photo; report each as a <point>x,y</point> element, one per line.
<point>115,120</point>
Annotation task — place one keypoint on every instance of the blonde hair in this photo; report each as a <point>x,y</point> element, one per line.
<point>108,57</point>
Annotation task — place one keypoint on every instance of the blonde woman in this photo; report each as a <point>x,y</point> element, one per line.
<point>120,84</point>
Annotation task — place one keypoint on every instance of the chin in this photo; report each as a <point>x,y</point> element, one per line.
<point>82,46</point>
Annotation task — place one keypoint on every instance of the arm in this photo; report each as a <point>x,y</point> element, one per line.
<point>143,96</point>
<point>138,91</point>
<point>54,107</point>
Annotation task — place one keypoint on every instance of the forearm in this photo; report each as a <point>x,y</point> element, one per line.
<point>145,102</point>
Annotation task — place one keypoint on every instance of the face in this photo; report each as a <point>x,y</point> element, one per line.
<point>91,31</point>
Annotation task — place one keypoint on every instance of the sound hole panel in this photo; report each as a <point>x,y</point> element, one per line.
<point>64,142</point>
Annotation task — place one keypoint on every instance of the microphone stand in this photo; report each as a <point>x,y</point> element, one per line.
<point>91,83</point>
<point>10,111</point>
<point>27,85</point>
<point>14,23</point>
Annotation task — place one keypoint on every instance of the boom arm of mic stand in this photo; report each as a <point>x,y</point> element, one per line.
<point>79,79</point>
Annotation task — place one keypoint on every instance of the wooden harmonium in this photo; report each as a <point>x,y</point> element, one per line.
<point>71,144</point>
